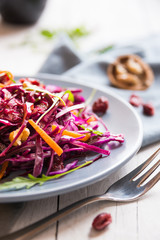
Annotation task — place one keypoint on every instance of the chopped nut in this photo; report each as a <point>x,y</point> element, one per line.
<point>134,67</point>
<point>128,78</point>
<point>23,136</point>
<point>120,69</point>
<point>26,84</point>
<point>130,72</point>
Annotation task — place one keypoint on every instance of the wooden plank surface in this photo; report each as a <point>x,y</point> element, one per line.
<point>135,220</point>
<point>129,219</point>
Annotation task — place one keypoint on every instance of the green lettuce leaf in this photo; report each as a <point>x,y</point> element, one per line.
<point>23,182</point>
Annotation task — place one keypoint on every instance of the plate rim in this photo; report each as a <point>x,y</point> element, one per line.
<point>92,180</point>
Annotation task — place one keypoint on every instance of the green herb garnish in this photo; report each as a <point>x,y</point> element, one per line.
<point>22,182</point>
<point>77,33</point>
<point>71,96</point>
<point>105,49</point>
<point>74,33</point>
<point>91,130</point>
<point>11,78</point>
<point>48,34</point>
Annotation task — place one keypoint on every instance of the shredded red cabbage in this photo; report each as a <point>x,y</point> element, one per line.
<point>48,106</point>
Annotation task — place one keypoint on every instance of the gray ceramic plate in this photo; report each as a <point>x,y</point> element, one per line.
<point>120,118</point>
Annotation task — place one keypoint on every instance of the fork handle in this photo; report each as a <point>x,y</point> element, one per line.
<point>32,230</point>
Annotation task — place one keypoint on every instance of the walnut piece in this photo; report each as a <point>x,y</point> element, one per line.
<point>130,72</point>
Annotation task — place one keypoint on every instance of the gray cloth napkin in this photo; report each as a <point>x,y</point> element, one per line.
<point>65,59</point>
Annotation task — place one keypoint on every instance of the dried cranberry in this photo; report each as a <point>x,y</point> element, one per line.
<point>4,78</point>
<point>102,221</point>
<point>148,109</point>
<point>100,106</point>
<point>33,81</point>
<point>135,100</point>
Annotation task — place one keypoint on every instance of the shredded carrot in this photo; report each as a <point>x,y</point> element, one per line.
<point>73,134</point>
<point>9,81</point>
<point>74,112</point>
<point>1,85</point>
<point>3,169</point>
<point>46,138</point>
<point>91,119</point>
<point>10,75</point>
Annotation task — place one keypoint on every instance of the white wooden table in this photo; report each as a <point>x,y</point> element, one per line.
<point>111,22</point>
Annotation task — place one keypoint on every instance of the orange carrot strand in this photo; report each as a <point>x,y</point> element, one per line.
<point>73,134</point>
<point>46,138</point>
<point>3,169</point>
<point>91,119</point>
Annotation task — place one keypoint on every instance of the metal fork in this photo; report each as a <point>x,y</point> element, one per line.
<point>129,188</point>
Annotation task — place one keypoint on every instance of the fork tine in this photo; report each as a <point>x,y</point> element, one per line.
<point>140,168</point>
<point>152,182</point>
<point>148,173</point>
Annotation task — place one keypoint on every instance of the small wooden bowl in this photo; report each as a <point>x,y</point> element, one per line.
<point>141,81</point>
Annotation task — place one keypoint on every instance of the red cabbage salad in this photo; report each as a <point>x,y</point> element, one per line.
<point>44,130</point>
